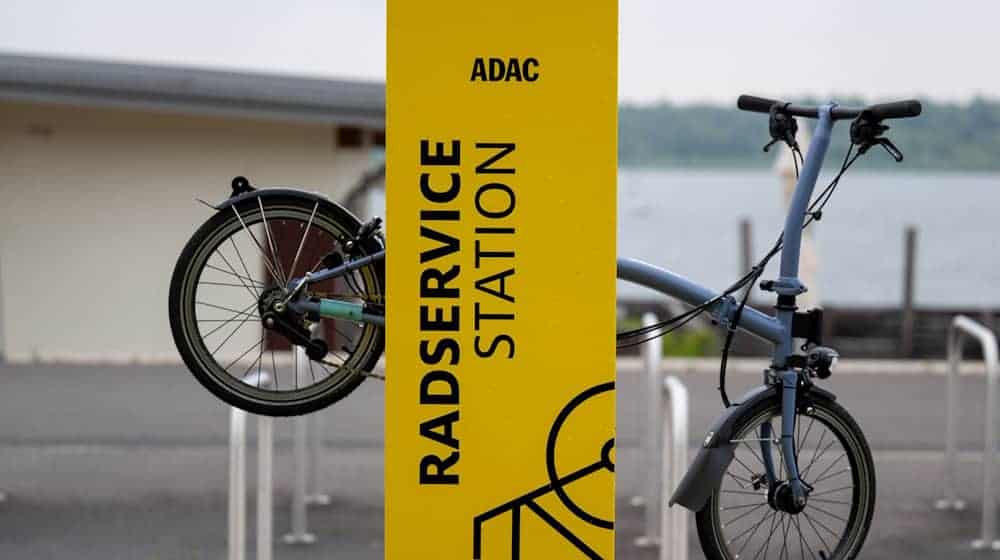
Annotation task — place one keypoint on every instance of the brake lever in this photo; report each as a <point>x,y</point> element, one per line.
<point>891,148</point>
<point>886,144</point>
<point>866,132</point>
<point>782,128</point>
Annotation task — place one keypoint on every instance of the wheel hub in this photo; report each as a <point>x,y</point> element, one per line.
<point>271,300</point>
<point>782,498</point>
<point>278,317</point>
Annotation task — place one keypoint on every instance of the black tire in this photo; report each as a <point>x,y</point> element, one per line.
<point>327,223</point>
<point>720,537</point>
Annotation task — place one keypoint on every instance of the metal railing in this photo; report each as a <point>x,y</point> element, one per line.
<point>237,509</point>
<point>313,429</point>
<point>307,446</point>
<point>962,326</point>
<point>652,354</point>
<point>663,453</point>
<point>673,521</point>
<point>300,492</point>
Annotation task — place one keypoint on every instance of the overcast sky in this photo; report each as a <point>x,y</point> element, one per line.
<point>672,50</point>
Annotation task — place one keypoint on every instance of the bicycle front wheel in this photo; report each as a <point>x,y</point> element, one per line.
<point>744,519</point>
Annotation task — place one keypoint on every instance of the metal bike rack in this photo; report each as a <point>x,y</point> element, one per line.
<point>314,431</point>
<point>666,435</point>
<point>237,511</point>
<point>299,533</point>
<point>673,521</point>
<point>306,456</point>
<point>649,452</point>
<point>962,326</point>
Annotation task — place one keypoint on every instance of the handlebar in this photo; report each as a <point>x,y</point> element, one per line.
<point>896,109</point>
<point>893,110</point>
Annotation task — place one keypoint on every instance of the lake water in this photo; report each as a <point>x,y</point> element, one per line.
<point>688,221</point>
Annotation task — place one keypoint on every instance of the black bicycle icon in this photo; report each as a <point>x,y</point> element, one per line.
<point>557,484</point>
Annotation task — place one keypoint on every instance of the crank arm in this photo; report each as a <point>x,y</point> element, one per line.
<point>316,348</point>
<point>294,333</point>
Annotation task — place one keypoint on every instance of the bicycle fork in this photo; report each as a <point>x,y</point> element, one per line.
<point>789,387</point>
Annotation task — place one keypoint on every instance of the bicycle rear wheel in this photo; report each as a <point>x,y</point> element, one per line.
<point>740,519</point>
<point>247,253</point>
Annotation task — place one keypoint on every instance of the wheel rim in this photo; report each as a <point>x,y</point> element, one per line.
<point>221,324</point>
<point>747,526</point>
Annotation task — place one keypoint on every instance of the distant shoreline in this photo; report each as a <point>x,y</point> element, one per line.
<point>946,137</point>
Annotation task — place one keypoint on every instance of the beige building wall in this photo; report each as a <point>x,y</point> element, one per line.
<point>96,204</point>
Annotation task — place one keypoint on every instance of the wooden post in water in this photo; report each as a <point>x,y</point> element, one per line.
<point>987,318</point>
<point>909,271</point>
<point>746,246</point>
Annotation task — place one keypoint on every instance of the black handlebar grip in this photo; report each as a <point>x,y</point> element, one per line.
<point>755,104</point>
<point>896,109</point>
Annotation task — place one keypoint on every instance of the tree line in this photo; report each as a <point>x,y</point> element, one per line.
<point>947,136</point>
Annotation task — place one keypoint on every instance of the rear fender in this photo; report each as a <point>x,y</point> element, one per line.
<point>712,460</point>
<point>343,216</point>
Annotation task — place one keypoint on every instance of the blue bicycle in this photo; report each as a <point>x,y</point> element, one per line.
<point>280,273</point>
<point>785,471</point>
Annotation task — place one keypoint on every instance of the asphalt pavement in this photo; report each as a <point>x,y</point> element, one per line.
<point>131,462</point>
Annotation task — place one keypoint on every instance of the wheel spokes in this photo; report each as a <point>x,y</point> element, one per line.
<point>227,293</point>
<point>270,241</point>
<point>263,253</point>
<point>245,313</point>
<point>302,242</point>
<point>243,263</point>
<point>758,527</point>
<point>254,283</point>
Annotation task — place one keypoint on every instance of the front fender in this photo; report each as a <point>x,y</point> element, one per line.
<point>712,460</point>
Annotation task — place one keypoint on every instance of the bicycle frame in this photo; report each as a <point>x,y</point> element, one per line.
<point>707,469</point>
<point>327,308</point>
<point>333,308</point>
<point>717,451</point>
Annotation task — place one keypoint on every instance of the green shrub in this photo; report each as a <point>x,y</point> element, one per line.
<point>690,343</point>
<point>686,342</point>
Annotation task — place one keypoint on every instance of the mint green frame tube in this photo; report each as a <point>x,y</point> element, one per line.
<point>337,309</point>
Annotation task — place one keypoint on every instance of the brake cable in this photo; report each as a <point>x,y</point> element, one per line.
<point>815,210</point>
<point>679,320</point>
<point>814,213</point>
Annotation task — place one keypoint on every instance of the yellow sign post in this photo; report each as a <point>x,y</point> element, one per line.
<point>501,279</point>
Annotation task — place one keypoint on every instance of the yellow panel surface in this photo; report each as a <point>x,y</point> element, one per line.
<point>501,279</point>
